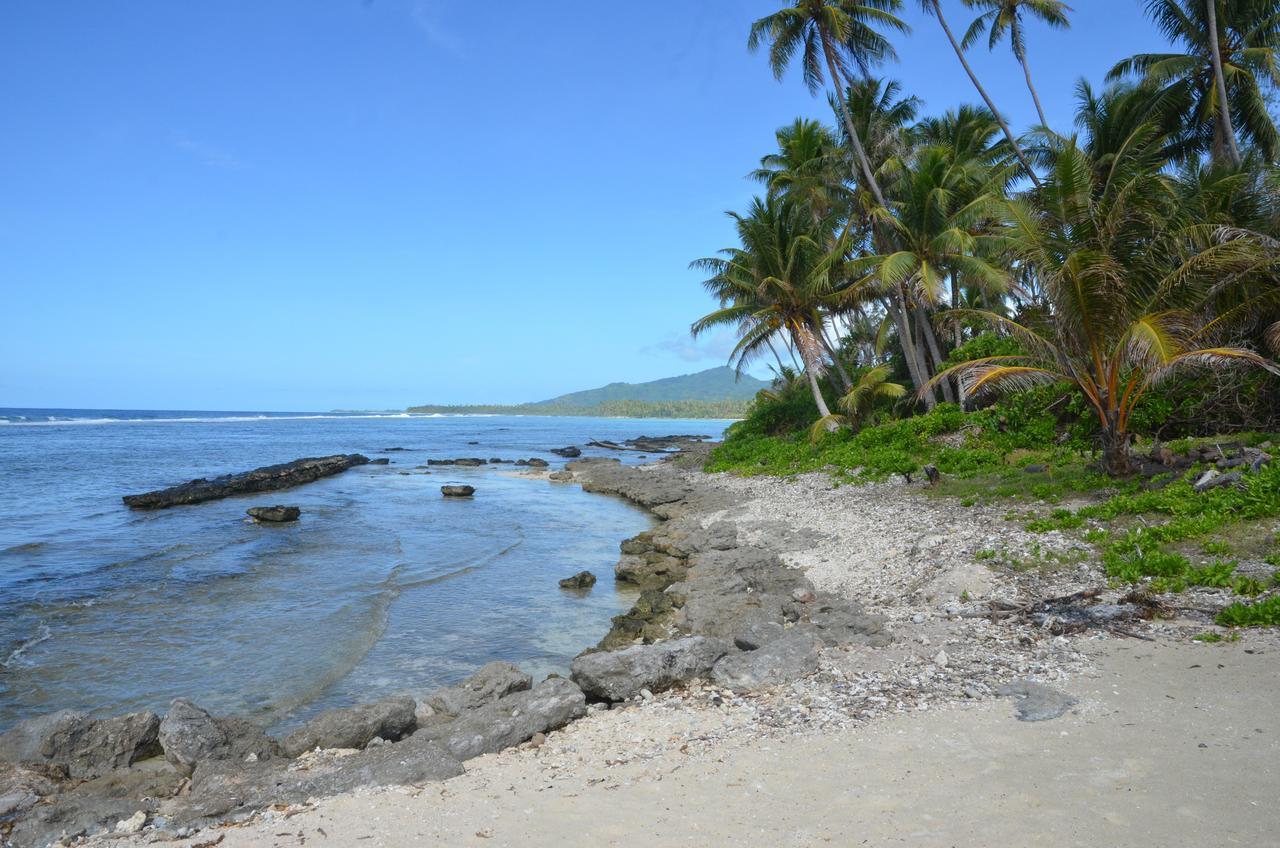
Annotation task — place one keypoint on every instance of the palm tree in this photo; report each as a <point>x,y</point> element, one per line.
<point>1001,16</point>
<point>944,207</point>
<point>832,36</point>
<point>776,282</point>
<point>1123,269</point>
<point>872,385</point>
<point>805,168</point>
<point>934,8</point>
<point>1219,83</point>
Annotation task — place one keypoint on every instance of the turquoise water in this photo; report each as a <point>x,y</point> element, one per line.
<point>383,586</point>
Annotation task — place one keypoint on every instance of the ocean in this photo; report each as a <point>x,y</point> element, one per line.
<point>382,587</point>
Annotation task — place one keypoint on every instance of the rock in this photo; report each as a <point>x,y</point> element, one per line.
<point>469,462</point>
<point>1037,702</point>
<point>133,824</point>
<point>803,595</point>
<point>651,569</point>
<point>382,460</point>
<point>275,514</point>
<point>932,474</point>
<point>569,452</point>
<point>189,736</point>
<point>941,659</point>
<point>442,462</point>
<point>509,721</point>
<point>85,747</point>
<point>1162,455</point>
<point>390,719</point>
<point>779,661</point>
<point>758,634</point>
<point>1035,468</point>
<point>581,580</point>
<point>619,675</point>
<point>1211,479</point>
<point>840,622</point>
<point>493,681</point>
<point>647,619</point>
<point>457,491</point>
<point>537,463</point>
<point>223,788</point>
<point>393,450</point>
<point>265,479</point>
<point>561,476</point>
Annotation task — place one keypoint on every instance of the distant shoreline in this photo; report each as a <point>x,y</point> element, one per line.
<point>686,409</point>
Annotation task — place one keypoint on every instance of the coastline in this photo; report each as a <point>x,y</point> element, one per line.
<point>910,562</point>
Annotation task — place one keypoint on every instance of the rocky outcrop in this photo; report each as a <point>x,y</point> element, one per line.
<point>390,719</point>
<point>190,736</point>
<point>509,721</point>
<point>83,747</point>
<point>648,620</point>
<point>457,490</point>
<point>618,675</point>
<point>778,661</point>
<point>569,452</point>
<point>493,681</point>
<point>582,580</point>
<point>273,514</point>
<point>220,789</point>
<point>266,479</point>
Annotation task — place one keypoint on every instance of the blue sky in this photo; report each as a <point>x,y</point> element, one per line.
<point>371,203</point>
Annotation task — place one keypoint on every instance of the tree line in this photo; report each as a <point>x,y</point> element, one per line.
<point>1137,247</point>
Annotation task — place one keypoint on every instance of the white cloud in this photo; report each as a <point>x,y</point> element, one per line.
<point>716,346</point>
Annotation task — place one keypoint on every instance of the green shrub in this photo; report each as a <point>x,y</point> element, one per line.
<point>1264,613</point>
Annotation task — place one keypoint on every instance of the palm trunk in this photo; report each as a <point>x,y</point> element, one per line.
<point>846,382</point>
<point>1008,133</point>
<point>926,331</point>
<point>1116,461</point>
<point>856,140</point>
<point>1026,71</point>
<point>910,351</point>
<point>808,345</point>
<point>1220,82</point>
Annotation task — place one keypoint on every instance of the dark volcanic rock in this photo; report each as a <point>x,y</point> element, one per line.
<point>457,491</point>
<point>390,719</point>
<point>508,721</point>
<point>190,736</point>
<point>581,580</point>
<point>469,461</point>
<point>274,514</point>
<point>569,452</point>
<point>265,479</point>
<point>382,460</point>
<point>618,675</point>
<point>85,747</point>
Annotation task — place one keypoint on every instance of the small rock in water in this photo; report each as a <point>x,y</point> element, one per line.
<point>273,514</point>
<point>457,491</point>
<point>581,580</point>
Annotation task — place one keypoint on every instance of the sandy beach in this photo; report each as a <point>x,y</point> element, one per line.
<point>1167,741</point>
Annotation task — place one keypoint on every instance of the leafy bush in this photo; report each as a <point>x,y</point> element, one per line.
<point>1264,613</point>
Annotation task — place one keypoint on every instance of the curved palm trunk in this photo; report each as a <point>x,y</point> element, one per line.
<point>916,368</point>
<point>859,151</point>
<point>846,382</point>
<point>808,346</point>
<point>1220,82</point>
<point>1008,133</point>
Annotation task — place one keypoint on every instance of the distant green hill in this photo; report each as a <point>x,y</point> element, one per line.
<point>714,393</point>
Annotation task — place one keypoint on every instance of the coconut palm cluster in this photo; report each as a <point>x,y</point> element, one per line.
<point>1140,244</point>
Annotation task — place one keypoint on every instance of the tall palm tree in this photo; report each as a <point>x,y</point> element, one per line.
<point>776,282</point>
<point>806,168</point>
<point>833,37</point>
<point>1243,52</point>
<point>1123,267</point>
<point>934,8</point>
<point>1005,16</point>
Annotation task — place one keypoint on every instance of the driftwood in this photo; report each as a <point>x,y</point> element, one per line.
<point>607,445</point>
<point>1078,612</point>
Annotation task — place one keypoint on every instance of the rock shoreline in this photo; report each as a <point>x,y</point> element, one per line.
<point>705,599</point>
